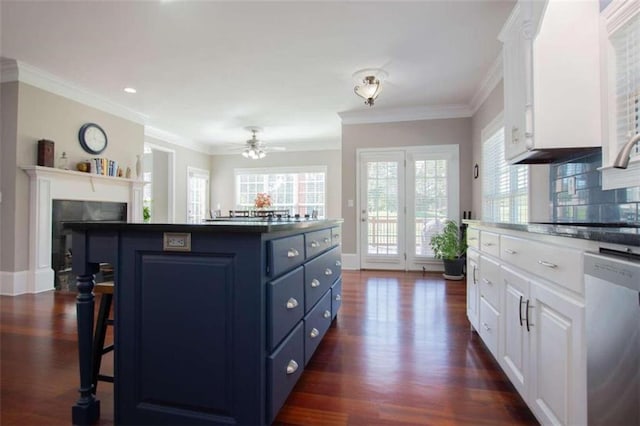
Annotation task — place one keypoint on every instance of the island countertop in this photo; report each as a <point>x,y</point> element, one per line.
<point>238,225</point>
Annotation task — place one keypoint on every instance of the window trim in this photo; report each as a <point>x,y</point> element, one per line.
<point>202,173</point>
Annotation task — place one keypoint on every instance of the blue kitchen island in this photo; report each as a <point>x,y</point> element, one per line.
<point>214,323</point>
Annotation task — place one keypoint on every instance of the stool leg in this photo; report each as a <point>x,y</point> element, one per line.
<point>98,340</point>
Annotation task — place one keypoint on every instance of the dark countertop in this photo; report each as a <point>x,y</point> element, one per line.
<point>237,226</point>
<point>623,235</point>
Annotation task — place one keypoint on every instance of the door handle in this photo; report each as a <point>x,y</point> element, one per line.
<point>520,310</point>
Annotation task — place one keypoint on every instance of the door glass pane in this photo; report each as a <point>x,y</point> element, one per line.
<point>382,208</point>
<point>431,202</point>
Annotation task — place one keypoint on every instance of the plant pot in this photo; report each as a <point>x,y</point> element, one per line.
<point>453,268</point>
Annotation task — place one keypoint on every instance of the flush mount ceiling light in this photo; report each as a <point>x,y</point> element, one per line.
<point>253,150</point>
<point>130,90</point>
<point>369,84</point>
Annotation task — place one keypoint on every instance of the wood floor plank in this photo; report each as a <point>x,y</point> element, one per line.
<point>400,353</point>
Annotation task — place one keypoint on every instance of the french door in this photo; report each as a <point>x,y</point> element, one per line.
<point>405,196</point>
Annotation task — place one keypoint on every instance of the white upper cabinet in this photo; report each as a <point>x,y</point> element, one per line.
<point>551,78</point>
<point>620,72</point>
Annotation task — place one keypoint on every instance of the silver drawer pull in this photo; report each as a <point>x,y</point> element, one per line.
<point>338,297</point>
<point>328,271</point>
<point>547,264</point>
<point>327,240</point>
<point>486,326</point>
<point>509,251</point>
<point>326,314</point>
<point>292,367</point>
<point>315,244</point>
<point>292,303</point>
<point>336,236</point>
<point>292,253</point>
<point>472,238</point>
<point>487,244</point>
<point>314,333</point>
<point>486,281</point>
<point>338,263</point>
<point>315,283</point>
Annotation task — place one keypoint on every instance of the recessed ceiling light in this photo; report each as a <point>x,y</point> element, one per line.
<point>130,90</point>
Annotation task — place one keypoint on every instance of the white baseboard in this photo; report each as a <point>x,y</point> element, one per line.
<point>351,261</point>
<point>13,283</point>
<point>41,280</point>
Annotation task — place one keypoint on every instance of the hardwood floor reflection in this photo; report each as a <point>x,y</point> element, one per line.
<point>400,353</point>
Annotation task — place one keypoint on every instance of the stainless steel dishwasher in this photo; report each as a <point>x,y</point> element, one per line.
<point>612,291</point>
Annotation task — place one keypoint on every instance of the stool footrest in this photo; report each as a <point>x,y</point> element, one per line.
<point>107,349</point>
<point>105,378</point>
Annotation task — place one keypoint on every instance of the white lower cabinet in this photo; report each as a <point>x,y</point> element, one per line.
<point>534,327</point>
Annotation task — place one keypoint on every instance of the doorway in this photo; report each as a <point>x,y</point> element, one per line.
<point>405,196</point>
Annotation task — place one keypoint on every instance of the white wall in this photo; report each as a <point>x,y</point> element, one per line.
<point>223,184</point>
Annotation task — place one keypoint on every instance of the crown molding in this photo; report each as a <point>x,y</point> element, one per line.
<point>390,115</point>
<point>173,139</point>
<point>12,70</point>
<point>488,83</point>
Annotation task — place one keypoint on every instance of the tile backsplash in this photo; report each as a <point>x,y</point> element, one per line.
<point>577,195</point>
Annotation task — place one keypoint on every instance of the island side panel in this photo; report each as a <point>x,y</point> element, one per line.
<point>190,330</point>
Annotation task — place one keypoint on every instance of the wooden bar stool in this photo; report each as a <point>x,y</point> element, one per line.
<point>106,299</point>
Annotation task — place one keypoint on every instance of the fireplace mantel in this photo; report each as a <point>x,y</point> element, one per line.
<point>47,184</point>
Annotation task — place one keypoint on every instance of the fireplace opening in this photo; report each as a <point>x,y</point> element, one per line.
<point>61,249</point>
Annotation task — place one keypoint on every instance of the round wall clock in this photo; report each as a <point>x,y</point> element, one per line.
<point>92,138</point>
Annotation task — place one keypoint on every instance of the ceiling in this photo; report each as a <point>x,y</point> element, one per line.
<point>206,70</point>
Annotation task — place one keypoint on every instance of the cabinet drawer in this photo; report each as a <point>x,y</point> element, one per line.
<point>336,298</point>
<point>285,254</point>
<point>284,368</point>
<point>316,242</point>
<point>319,274</point>
<point>336,237</point>
<point>285,305</point>
<point>490,243</point>
<point>560,265</point>
<point>489,326</point>
<point>316,324</point>
<point>490,280</point>
<point>473,238</point>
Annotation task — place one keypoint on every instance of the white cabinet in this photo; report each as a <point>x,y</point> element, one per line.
<point>473,294</point>
<point>530,308</point>
<point>558,363</point>
<point>551,78</point>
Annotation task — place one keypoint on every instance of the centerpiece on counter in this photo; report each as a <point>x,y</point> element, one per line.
<point>263,200</point>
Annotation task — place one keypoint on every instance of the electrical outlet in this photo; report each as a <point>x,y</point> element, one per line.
<point>571,185</point>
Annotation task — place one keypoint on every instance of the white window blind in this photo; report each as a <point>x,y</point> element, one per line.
<point>505,188</point>
<point>298,191</point>
<point>626,44</point>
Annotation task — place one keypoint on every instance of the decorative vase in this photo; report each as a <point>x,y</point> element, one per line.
<point>138,166</point>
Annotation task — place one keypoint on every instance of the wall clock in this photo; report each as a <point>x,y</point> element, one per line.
<point>92,138</point>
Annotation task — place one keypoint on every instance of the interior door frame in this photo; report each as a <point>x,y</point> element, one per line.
<point>171,178</point>
<point>452,151</point>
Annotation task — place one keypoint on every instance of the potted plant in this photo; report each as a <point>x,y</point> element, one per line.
<point>450,247</point>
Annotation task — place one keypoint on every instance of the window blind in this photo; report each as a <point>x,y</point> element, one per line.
<point>504,187</point>
<point>626,44</point>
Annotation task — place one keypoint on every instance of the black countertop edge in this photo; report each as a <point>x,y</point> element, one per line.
<point>216,227</point>
<point>622,236</point>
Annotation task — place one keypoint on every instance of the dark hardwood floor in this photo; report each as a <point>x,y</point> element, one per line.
<point>400,353</point>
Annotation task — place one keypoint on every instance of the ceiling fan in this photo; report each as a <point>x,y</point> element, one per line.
<point>255,149</point>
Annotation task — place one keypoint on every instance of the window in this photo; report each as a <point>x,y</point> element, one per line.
<point>505,188</point>
<point>298,190</point>
<point>626,45</point>
<point>198,187</point>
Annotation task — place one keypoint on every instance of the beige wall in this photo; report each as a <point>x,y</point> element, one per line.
<point>44,115</point>
<point>409,133</point>
<point>184,158</point>
<point>539,209</point>
<point>222,166</point>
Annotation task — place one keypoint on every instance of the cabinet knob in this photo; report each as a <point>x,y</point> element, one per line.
<point>509,251</point>
<point>486,326</point>
<point>292,303</point>
<point>514,135</point>
<point>486,281</point>
<point>314,333</point>
<point>326,314</point>
<point>315,244</point>
<point>292,367</point>
<point>292,253</point>
<point>338,263</point>
<point>328,272</point>
<point>315,283</point>
<point>327,240</point>
<point>338,297</point>
<point>487,244</point>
